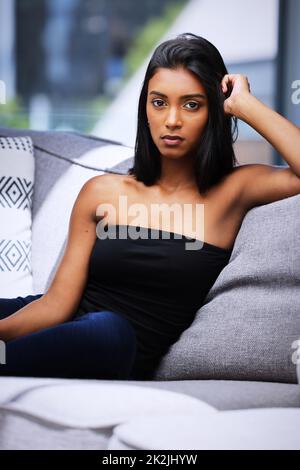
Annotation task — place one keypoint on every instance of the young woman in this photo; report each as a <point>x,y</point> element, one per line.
<point>116,304</point>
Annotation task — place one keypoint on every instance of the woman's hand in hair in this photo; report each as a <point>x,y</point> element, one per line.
<point>235,88</point>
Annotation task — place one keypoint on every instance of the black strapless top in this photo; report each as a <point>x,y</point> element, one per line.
<point>156,283</point>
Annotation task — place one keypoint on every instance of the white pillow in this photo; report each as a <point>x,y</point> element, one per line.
<point>251,429</point>
<point>16,193</point>
<point>92,404</point>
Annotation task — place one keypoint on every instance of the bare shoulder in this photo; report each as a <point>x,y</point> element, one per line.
<point>230,188</point>
<point>107,179</point>
<point>105,190</point>
<point>238,176</point>
<point>106,185</point>
<point>236,183</point>
<point>259,184</point>
<point>102,181</point>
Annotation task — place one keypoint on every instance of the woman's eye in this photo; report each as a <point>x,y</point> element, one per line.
<point>190,102</point>
<point>193,102</point>
<point>155,101</point>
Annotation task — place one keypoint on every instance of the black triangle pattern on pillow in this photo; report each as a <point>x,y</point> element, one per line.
<point>15,255</point>
<point>16,192</point>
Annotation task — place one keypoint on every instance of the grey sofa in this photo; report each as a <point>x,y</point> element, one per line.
<point>239,353</point>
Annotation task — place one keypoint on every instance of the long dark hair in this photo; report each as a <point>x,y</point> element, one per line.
<point>215,156</point>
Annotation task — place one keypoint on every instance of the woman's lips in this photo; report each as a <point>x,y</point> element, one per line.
<point>172,142</point>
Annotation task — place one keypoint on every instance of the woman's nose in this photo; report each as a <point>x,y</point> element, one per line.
<point>173,118</point>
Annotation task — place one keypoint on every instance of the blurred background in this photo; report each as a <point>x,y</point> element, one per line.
<point>78,65</point>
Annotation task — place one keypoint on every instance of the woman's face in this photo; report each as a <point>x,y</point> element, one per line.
<point>170,112</point>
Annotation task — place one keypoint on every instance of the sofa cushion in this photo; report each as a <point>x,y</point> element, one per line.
<point>221,394</point>
<point>99,405</point>
<point>268,429</point>
<point>20,430</point>
<point>64,161</point>
<point>251,316</point>
<point>85,405</point>
<point>16,192</point>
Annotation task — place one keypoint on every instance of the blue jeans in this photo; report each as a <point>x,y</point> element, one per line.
<point>97,345</point>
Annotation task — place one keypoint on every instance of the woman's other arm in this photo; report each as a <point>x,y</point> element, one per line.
<point>63,296</point>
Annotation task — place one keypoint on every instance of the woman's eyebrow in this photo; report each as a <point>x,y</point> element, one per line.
<point>191,95</point>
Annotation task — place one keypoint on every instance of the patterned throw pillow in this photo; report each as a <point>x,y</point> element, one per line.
<point>16,193</point>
